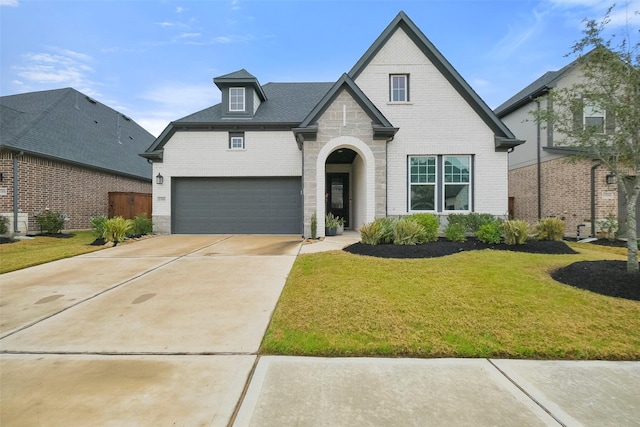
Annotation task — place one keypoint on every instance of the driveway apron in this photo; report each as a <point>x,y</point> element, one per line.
<point>116,334</point>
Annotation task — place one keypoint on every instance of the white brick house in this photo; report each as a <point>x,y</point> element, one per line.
<point>401,133</point>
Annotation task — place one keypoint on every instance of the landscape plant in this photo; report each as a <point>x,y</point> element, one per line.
<point>4,225</point>
<point>408,231</point>
<point>116,229</point>
<point>456,232</point>
<point>98,226</point>
<point>550,229</point>
<point>474,220</point>
<point>489,233</point>
<point>429,223</point>
<point>370,233</point>
<point>50,221</point>
<point>609,226</point>
<point>142,225</point>
<point>516,232</point>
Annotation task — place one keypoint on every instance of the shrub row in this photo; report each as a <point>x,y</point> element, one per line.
<point>422,228</point>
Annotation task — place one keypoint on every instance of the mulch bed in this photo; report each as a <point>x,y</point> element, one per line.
<point>604,277</point>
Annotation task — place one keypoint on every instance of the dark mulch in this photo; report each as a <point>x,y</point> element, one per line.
<point>445,247</point>
<point>4,240</point>
<point>55,235</point>
<point>611,243</point>
<point>604,277</point>
<point>98,242</point>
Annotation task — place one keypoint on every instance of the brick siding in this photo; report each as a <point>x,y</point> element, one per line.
<point>566,193</point>
<point>77,192</point>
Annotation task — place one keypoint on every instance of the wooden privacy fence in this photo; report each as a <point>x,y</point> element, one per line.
<point>129,205</point>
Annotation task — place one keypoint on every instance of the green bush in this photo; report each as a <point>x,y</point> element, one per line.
<point>609,226</point>
<point>489,233</point>
<point>370,233</point>
<point>456,232</point>
<point>50,221</point>
<point>98,226</point>
<point>116,229</point>
<point>430,223</point>
<point>4,225</point>
<point>476,220</point>
<point>515,232</point>
<point>142,225</point>
<point>550,229</point>
<point>408,231</point>
<point>387,228</point>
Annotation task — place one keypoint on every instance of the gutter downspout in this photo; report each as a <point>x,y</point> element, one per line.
<point>593,198</point>
<point>539,164</point>
<point>16,190</point>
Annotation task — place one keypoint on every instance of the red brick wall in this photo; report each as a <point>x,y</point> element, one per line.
<point>78,192</point>
<point>566,193</point>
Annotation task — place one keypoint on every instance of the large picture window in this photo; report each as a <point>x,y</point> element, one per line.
<point>236,99</point>
<point>440,183</point>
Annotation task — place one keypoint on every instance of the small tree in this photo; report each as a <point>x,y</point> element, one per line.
<point>611,88</point>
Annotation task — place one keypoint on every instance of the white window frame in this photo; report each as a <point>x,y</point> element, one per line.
<point>236,142</point>
<point>404,89</point>
<point>469,183</point>
<point>237,100</point>
<point>434,184</point>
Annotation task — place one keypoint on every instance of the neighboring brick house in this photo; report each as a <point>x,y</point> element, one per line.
<point>69,151</point>
<point>401,133</point>
<point>544,179</point>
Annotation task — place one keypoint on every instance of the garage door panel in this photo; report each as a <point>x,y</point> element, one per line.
<point>237,205</point>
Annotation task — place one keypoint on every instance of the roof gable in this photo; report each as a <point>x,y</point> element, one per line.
<point>381,126</point>
<point>504,137</point>
<point>68,126</point>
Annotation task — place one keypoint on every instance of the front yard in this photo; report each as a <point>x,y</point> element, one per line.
<point>473,304</point>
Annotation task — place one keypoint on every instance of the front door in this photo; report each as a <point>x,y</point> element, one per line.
<point>337,195</point>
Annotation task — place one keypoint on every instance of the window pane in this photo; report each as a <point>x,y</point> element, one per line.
<point>236,99</point>
<point>456,197</point>
<point>423,197</point>
<point>596,122</point>
<point>456,169</point>
<point>422,169</point>
<point>398,88</point>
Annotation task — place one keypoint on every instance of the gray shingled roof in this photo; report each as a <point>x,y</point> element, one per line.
<point>532,91</point>
<point>286,103</point>
<point>66,125</point>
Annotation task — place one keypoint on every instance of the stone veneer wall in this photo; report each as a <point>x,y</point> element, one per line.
<point>331,125</point>
<point>78,192</point>
<point>566,193</point>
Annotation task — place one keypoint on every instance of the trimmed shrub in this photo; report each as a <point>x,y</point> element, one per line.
<point>4,225</point>
<point>430,223</point>
<point>456,232</point>
<point>489,233</point>
<point>515,232</point>
<point>98,226</point>
<point>387,228</point>
<point>142,225</point>
<point>476,220</point>
<point>550,229</point>
<point>50,221</point>
<point>116,229</point>
<point>408,231</point>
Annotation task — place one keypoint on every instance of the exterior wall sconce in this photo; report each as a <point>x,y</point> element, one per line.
<point>611,179</point>
<point>159,179</point>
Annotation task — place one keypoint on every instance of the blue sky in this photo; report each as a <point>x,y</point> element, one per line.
<point>154,60</point>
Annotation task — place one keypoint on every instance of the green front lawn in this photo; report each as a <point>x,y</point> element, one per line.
<point>29,252</point>
<point>473,304</point>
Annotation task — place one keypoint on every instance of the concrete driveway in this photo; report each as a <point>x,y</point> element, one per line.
<point>116,334</point>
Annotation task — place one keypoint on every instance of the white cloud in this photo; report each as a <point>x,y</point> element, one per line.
<point>188,35</point>
<point>13,3</point>
<point>179,9</point>
<point>172,101</point>
<point>56,67</point>
<point>165,24</point>
<point>519,34</point>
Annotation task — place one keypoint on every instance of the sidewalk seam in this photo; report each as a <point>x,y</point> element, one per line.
<point>244,392</point>
<point>526,393</point>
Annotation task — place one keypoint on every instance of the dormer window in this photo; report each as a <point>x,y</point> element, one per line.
<point>236,99</point>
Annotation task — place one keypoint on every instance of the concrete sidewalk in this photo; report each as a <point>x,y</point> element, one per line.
<point>165,331</point>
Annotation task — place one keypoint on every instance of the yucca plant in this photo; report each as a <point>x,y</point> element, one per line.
<point>515,232</point>
<point>116,229</point>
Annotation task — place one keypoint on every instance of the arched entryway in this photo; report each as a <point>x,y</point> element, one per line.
<point>346,181</point>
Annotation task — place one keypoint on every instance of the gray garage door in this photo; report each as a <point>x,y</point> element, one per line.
<point>236,205</point>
